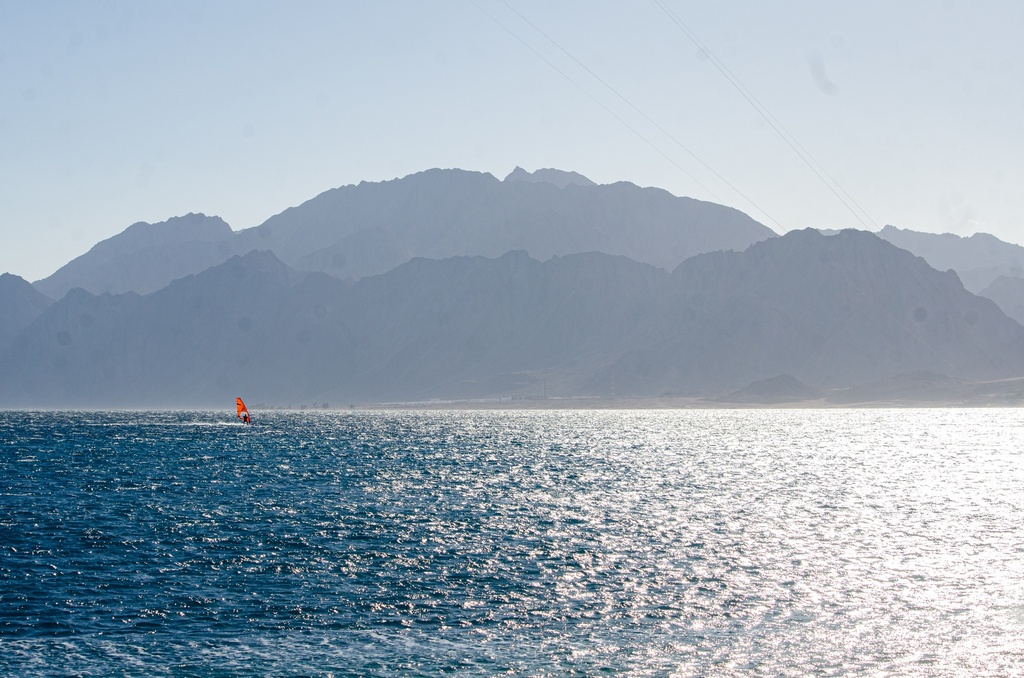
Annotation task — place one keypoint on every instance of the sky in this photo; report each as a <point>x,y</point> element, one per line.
<point>800,113</point>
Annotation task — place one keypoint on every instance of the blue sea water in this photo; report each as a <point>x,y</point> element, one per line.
<point>694,542</point>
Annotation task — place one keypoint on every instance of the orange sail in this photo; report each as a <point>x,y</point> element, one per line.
<point>243,411</point>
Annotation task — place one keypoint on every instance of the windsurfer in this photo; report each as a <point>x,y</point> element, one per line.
<point>242,410</point>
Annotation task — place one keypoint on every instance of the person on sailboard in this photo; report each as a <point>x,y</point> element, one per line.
<point>242,410</point>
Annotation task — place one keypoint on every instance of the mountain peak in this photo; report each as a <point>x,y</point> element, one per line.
<point>246,268</point>
<point>191,225</point>
<point>144,257</point>
<point>559,178</point>
<point>978,259</point>
<point>20,304</point>
<point>783,388</point>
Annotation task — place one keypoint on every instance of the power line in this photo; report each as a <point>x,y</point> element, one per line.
<point>593,98</point>
<point>816,167</point>
<point>786,136</point>
<point>642,114</point>
<point>813,164</point>
<point>613,114</point>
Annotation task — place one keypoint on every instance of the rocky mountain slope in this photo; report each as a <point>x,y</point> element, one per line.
<point>369,228</point>
<point>978,259</point>
<point>20,305</point>
<point>832,312</point>
<point>145,257</point>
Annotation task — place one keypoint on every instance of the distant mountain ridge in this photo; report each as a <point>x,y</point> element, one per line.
<point>449,284</point>
<point>832,312</point>
<point>986,265</point>
<point>978,259</point>
<point>145,257</point>
<point>366,229</point>
<point>1008,292</point>
<point>773,391</point>
<point>443,213</point>
<point>20,305</point>
<point>559,178</point>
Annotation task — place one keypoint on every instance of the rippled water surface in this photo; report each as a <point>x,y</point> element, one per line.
<point>522,543</point>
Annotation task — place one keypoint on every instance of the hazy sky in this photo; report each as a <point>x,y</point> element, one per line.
<point>115,112</point>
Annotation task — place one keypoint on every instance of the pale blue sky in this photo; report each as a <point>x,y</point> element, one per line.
<point>115,112</point>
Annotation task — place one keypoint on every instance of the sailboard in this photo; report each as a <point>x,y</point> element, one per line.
<point>242,410</point>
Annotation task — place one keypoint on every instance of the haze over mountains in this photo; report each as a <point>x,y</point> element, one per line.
<point>978,259</point>
<point>145,257</point>
<point>455,285</point>
<point>366,229</point>
<point>20,304</point>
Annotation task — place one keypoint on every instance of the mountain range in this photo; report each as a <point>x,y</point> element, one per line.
<point>833,311</point>
<point>365,229</point>
<point>453,285</point>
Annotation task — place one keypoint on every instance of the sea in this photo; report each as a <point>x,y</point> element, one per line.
<point>785,542</point>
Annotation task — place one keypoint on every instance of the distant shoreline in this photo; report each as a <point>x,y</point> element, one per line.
<point>1005,393</point>
<point>670,404</point>
<point>564,405</point>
